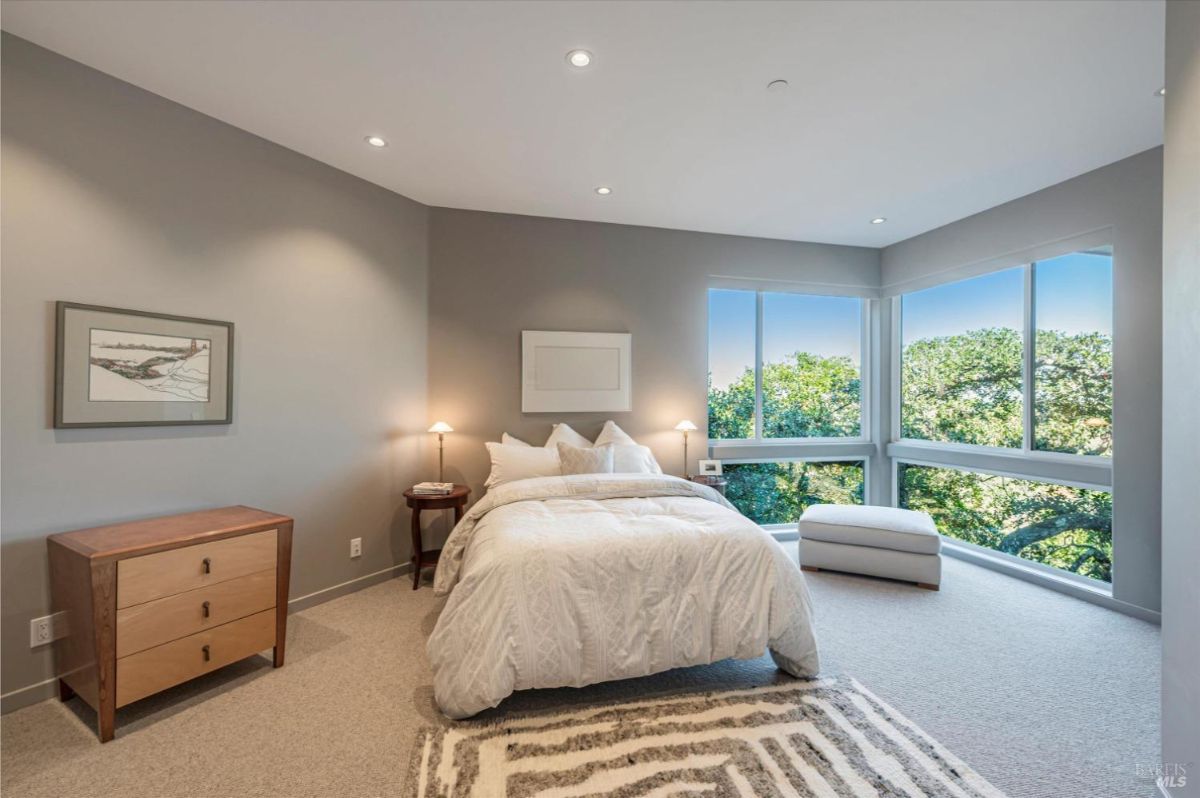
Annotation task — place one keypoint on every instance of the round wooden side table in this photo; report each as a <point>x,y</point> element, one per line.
<point>456,499</point>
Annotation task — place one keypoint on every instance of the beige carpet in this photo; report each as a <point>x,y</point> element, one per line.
<point>1042,694</point>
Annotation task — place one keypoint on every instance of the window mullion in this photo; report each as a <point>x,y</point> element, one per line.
<point>1027,360</point>
<point>758,366</point>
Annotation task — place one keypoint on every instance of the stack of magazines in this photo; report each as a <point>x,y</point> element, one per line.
<point>433,488</point>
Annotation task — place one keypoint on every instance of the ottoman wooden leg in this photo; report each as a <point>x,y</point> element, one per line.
<point>927,586</point>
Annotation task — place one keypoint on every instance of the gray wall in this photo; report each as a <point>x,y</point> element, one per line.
<point>1181,387</point>
<point>494,275</point>
<point>114,196</point>
<point>1126,196</point>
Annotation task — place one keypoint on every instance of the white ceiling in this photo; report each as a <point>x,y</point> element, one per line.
<point>923,112</point>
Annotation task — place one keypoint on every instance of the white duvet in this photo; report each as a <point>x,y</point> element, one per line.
<point>573,580</point>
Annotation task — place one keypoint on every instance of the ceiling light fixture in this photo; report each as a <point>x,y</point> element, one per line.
<point>1161,92</point>
<point>603,191</point>
<point>579,58</point>
<point>376,141</point>
<point>879,220</point>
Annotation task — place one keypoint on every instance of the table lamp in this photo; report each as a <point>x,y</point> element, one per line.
<point>441,428</point>
<point>685,427</point>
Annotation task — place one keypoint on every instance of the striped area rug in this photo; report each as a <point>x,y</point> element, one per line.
<point>824,738</point>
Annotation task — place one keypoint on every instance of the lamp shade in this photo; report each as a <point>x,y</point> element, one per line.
<point>685,426</point>
<point>441,426</point>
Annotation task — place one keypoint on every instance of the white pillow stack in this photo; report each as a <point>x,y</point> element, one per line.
<point>514,459</point>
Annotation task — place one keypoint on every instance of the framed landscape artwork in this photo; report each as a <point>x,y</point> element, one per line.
<point>129,368</point>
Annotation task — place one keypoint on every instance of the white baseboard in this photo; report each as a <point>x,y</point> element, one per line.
<point>48,688</point>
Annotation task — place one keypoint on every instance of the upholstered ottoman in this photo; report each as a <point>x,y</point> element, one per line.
<point>877,541</point>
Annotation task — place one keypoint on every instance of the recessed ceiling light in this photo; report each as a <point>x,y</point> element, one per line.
<point>777,85</point>
<point>1161,92</point>
<point>879,220</point>
<point>376,141</point>
<point>603,191</point>
<point>579,58</point>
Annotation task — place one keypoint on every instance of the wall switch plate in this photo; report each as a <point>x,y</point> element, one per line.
<point>355,547</point>
<point>41,631</point>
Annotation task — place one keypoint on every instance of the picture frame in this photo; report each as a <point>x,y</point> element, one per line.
<point>710,468</point>
<point>576,372</point>
<point>116,367</point>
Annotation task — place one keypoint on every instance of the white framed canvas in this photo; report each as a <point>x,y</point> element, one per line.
<point>710,468</point>
<point>574,372</point>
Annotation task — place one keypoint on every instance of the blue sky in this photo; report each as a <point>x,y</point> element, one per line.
<point>823,325</point>
<point>1073,292</point>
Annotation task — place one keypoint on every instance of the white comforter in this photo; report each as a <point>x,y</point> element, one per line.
<point>574,580</point>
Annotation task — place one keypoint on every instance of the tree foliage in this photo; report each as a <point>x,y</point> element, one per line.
<point>964,388</point>
<point>777,493</point>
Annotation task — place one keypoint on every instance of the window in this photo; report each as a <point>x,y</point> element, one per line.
<point>960,379</point>
<point>1056,525</point>
<point>732,354</point>
<point>974,352</point>
<point>1072,384</point>
<point>784,366</point>
<point>778,492</point>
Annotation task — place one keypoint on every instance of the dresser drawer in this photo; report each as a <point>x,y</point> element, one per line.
<point>155,622</point>
<point>151,576</point>
<point>158,668</point>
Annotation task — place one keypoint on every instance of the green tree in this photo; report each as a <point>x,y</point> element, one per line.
<point>964,388</point>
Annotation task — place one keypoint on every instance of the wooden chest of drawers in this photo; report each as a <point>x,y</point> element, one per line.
<point>153,603</point>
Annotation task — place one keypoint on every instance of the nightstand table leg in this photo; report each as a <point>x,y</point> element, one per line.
<point>416,546</point>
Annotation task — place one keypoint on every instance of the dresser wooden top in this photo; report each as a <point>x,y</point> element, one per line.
<point>135,538</point>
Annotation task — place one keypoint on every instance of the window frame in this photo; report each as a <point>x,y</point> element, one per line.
<point>898,444</point>
<point>866,367</point>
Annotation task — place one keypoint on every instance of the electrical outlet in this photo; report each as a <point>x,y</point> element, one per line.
<point>41,631</point>
<point>355,547</point>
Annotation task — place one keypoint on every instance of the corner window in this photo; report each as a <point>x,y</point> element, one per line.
<point>784,366</point>
<point>1056,525</point>
<point>975,353</point>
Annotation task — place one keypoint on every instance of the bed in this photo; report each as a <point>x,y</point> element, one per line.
<point>571,580</point>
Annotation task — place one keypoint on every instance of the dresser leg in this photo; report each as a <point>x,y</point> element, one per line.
<point>105,721</point>
<point>65,693</point>
<point>279,655</point>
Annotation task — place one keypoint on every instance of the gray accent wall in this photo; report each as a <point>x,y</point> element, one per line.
<point>115,196</point>
<point>493,275</point>
<point>1125,197</point>
<point>1181,397</point>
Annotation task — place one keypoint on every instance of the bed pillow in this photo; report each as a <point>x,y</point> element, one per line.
<point>613,434</point>
<point>585,459</point>
<point>564,434</point>
<point>513,462</point>
<point>632,458</point>
<point>509,440</point>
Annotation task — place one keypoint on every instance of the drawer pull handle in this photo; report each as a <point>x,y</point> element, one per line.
<point>207,565</point>
<point>204,607</point>
<point>207,655</point>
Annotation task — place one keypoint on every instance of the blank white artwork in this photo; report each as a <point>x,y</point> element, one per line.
<point>575,372</point>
